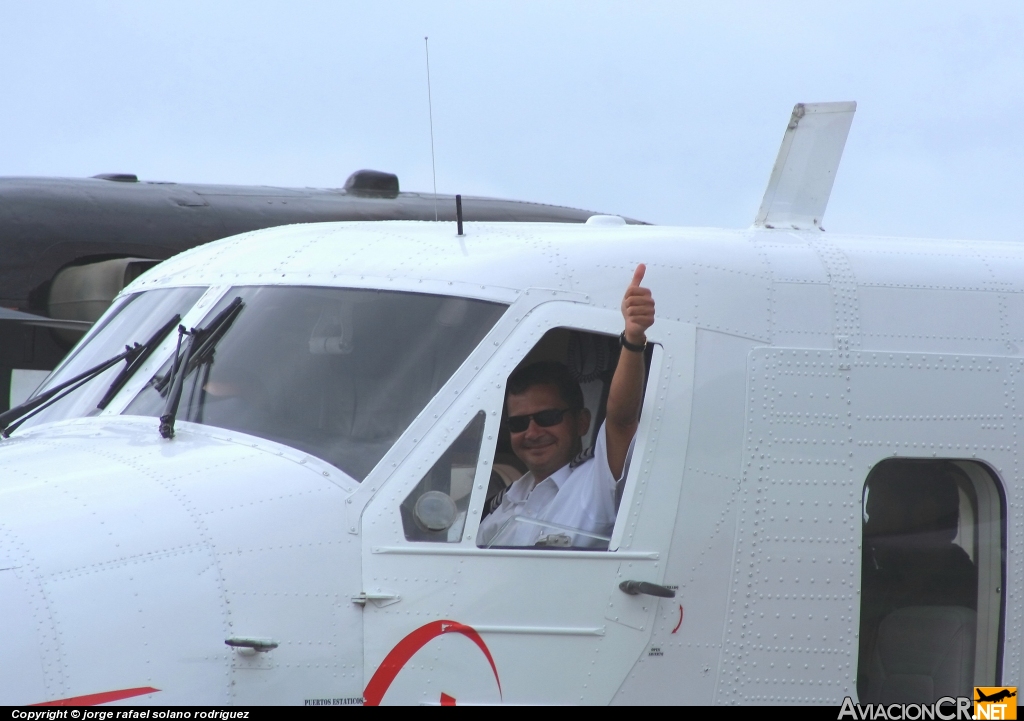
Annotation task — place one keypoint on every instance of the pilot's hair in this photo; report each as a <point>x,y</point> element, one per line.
<point>547,373</point>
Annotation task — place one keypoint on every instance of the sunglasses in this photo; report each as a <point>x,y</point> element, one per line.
<point>544,419</point>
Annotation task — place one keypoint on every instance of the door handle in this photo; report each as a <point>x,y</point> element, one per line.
<point>635,588</point>
<point>259,645</point>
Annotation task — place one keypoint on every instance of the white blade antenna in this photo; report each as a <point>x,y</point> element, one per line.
<point>805,170</point>
<point>430,111</point>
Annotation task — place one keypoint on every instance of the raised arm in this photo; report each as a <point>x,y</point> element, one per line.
<point>626,393</point>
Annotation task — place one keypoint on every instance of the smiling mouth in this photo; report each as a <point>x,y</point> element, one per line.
<point>538,445</point>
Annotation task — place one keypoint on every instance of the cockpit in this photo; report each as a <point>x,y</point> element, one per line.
<point>338,373</point>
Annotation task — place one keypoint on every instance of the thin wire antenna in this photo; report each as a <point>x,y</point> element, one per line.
<point>430,110</point>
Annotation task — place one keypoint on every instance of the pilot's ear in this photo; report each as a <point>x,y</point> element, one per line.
<point>584,422</point>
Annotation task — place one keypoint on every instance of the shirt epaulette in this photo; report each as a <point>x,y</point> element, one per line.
<point>495,502</point>
<point>584,456</point>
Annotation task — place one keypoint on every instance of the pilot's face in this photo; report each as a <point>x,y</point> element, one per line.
<point>546,449</point>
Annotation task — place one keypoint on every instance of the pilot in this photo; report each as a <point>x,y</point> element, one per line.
<point>574,491</point>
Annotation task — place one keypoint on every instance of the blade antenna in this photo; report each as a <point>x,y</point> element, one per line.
<point>430,111</point>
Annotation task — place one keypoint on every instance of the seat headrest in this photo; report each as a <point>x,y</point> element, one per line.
<point>913,498</point>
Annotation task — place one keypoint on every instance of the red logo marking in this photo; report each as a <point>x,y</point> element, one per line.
<point>94,699</point>
<point>447,700</point>
<point>408,646</point>
<point>680,619</point>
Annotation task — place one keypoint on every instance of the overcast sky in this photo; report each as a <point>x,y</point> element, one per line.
<point>670,112</point>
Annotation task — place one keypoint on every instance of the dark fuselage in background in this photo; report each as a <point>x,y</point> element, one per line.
<point>50,224</point>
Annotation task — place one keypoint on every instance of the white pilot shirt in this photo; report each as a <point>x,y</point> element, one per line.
<point>579,496</point>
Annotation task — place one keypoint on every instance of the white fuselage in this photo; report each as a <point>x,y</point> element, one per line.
<point>787,365</point>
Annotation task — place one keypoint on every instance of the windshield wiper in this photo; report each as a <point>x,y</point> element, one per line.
<point>198,349</point>
<point>133,365</point>
<point>135,355</point>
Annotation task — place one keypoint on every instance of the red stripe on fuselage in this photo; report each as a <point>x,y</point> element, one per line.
<point>680,619</point>
<point>408,646</point>
<point>94,699</point>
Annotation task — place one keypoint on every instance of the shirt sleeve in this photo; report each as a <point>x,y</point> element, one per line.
<point>604,471</point>
<point>490,525</point>
<point>603,486</point>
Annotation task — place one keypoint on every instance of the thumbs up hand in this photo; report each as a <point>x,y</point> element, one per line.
<point>638,308</point>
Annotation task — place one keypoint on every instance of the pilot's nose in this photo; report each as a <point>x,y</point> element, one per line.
<point>533,429</point>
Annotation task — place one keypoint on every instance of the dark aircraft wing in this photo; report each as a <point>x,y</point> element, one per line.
<point>15,316</point>
<point>47,224</point>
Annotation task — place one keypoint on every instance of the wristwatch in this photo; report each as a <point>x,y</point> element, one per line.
<point>631,346</point>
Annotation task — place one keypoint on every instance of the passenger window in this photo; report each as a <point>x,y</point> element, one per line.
<point>931,581</point>
<point>436,508</point>
<point>590,360</point>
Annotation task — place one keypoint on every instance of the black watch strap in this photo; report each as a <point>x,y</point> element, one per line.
<point>631,346</point>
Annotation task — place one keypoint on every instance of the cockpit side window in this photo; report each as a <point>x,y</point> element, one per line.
<point>436,508</point>
<point>931,580</point>
<point>519,510</point>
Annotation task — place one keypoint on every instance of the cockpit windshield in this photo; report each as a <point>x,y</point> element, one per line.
<point>133,320</point>
<point>338,373</point>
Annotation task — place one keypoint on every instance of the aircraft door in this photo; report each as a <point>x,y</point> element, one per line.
<point>449,619</point>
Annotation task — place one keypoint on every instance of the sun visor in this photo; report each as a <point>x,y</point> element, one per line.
<point>805,170</point>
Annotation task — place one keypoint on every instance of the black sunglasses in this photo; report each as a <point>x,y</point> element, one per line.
<point>544,419</point>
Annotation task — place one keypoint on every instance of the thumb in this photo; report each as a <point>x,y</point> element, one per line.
<point>638,276</point>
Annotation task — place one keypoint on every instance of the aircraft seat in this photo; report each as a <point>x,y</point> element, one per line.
<point>921,654</point>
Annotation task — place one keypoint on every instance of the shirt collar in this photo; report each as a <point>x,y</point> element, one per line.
<point>560,476</point>
<point>521,489</point>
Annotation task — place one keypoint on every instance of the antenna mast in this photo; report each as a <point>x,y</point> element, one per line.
<point>430,110</point>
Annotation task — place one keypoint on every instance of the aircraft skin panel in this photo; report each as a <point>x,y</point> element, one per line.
<point>795,580</point>
<point>70,488</point>
<point>28,626</point>
<point>919,263</point>
<point>790,258</point>
<point>802,315</point>
<point>1012,315</point>
<point>1006,267</point>
<point>171,601</point>
<point>950,321</point>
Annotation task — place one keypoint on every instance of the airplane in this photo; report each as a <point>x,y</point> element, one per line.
<point>68,246</point>
<point>998,696</point>
<point>259,477</point>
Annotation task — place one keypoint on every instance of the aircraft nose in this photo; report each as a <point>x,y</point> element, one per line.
<point>143,548</point>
